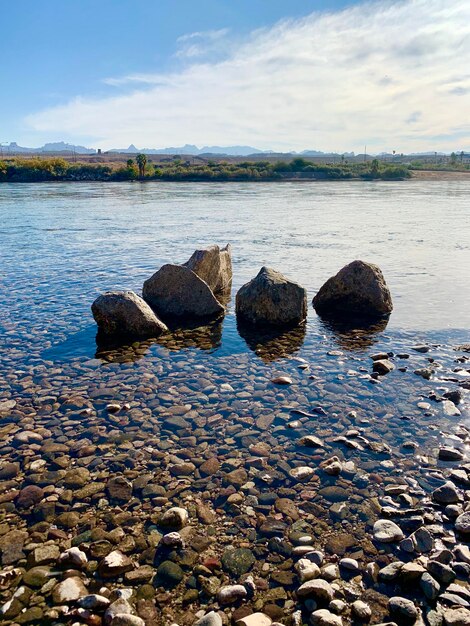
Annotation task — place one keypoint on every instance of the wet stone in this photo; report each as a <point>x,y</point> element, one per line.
<point>237,562</point>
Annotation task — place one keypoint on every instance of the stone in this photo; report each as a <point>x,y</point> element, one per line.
<point>29,496</point>
<point>403,609</point>
<point>447,453</point>
<point>446,494</point>
<point>74,557</point>
<point>114,564</point>
<point>214,266</point>
<point>169,573</point>
<point>310,441</point>
<point>37,576</point>
<point>387,531</point>
<point>120,606</point>
<point>125,313</point>
<point>383,366</point>
<point>457,617</point>
<point>361,611</point>
<point>318,589</point>
<point>323,617</point>
<point>307,570</point>
<point>271,299</point>
<point>209,619</point>
<point>230,594</point>
<point>429,586</point>
<point>124,619</point>
<point>48,553</point>
<point>175,291</point>
<point>176,517</point>
<point>239,561</point>
<point>210,467</point>
<point>93,602</point>
<point>358,289</point>
<point>69,590</point>
<point>77,477</point>
<point>422,540</point>
<point>449,408</point>
<point>302,473</point>
<point>119,489</point>
<point>462,523</point>
<point>255,619</point>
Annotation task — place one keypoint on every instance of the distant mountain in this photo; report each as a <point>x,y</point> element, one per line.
<point>192,150</point>
<point>58,146</point>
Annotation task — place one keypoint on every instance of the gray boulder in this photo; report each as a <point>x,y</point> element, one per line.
<point>176,291</point>
<point>271,299</point>
<point>357,289</point>
<point>214,266</point>
<point>124,313</point>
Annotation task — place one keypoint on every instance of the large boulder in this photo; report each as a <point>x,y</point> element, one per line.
<point>124,313</point>
<point>214,266</point>
<point>271,299</point>
<point>176,291</point>
<point>358,289</point>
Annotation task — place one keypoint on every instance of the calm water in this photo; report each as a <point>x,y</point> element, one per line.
<point>62,244</point>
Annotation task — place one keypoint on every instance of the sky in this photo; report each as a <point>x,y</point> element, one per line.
<point>332,75</point>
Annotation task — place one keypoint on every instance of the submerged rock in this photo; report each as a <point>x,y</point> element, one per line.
<point>176,291</point>
<point>124,313</point>
<point>270,298</point>
<point>358,289</point>
<point>214,266</point>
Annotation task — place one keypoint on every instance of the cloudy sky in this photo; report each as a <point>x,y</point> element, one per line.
<point>329,75</point>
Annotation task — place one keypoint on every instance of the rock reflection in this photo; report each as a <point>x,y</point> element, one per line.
<point>354,333</point>
<point>205,338</point>
<point>273,344</point>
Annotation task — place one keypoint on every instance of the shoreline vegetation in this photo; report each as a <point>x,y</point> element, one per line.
<point>39,169</point>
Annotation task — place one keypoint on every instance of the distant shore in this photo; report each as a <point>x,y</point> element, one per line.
<point>439,175</point>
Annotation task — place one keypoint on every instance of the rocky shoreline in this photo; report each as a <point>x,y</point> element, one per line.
<point>174,490</point>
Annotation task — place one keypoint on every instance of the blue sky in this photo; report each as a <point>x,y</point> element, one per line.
<point>267,73</point>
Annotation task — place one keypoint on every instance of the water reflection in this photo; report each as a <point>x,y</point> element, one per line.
<point>353,333</point>
<point>272,344</point>
<point>206,338</point>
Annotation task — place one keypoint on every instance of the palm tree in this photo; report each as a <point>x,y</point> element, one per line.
<point>141,162</point>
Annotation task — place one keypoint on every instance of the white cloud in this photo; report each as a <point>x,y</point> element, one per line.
<point>393,75</point>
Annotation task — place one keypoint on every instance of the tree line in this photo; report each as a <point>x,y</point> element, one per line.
<point>39,169</point>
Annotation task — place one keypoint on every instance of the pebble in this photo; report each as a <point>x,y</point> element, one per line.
<point>176,517</point>
<point>403,608</point>
<point>231,594</point>
<point>361,611</point>
<point>209,619</point>
<point>323,617</point>
<point>69,590</point>
<point>318,589</point>
<point>387,531</point>
<point>255,619</point>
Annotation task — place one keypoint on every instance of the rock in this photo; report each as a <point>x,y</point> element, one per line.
<point>422,540</point>
<point>441,572</point>
<point>323,617</point>
<point>318,589</point>
<point>449,408</point>
<point>332,466</point>
<point>307,570</point>
<point>176,291</point>
<point>403,608</point>
<point>174,539</point>
<point>29,496</point>
<point>169,573</point>
<point>114,564</point>
<point>310,441</point>
<point>42,555</point>
<point>282,380</point>
<point>93,602</point>
<point>457,617</point>
<point>9,470</point>
<point>176,517</point>
<point>210,467</point>
<point>124,619</point>
<point>69,590</point>
<point>214,266</point>
<point>231,594</point>
<point>383,366</point>
<point>446,494</point>
<point>358,289</point>
<point>361,611</point>
<point>271,299</point>
<point>209,619</point>
<point>255,619</point>
<point>73,556</point>
<point>77,477</point>
<point>462,523</point>
<point>302,473</point>
<point>349,564</point>
<point>430,586</point>
<point>124,313</point>
<point>387,531</point>
<point>120,606</point>
<point>119,489</point>
<point>37,576</point>
<point>237,562</point>
<point>447,453</point>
